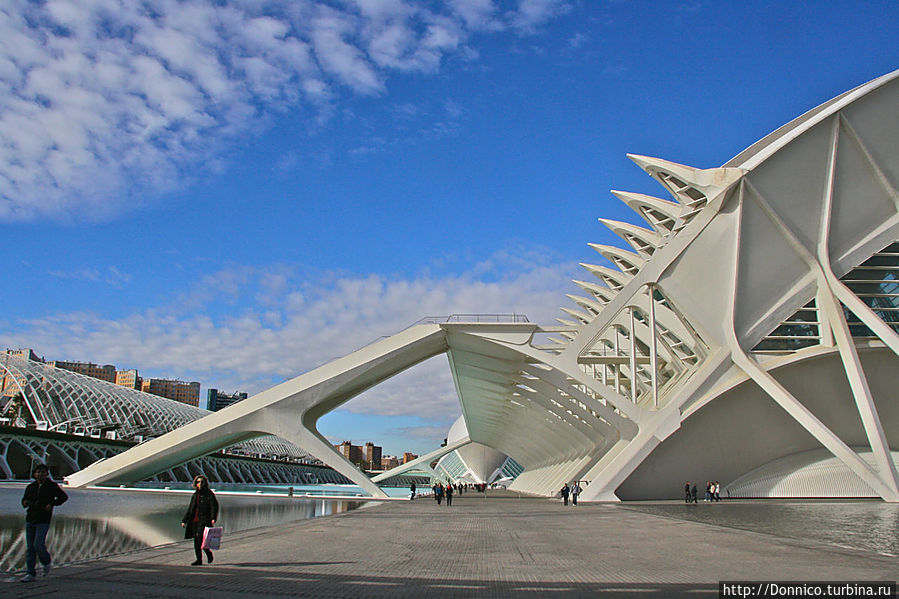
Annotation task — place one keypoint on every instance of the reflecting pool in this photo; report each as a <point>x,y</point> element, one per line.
<point>870,525</point>
<point>96,522</point>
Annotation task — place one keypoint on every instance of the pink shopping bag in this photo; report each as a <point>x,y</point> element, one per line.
<point>212,537</point>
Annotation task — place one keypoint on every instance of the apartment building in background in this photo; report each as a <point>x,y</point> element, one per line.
<point>351,452</point>
<point>216,400</point>
<point>371,455</point>
<point>368,455</point>
<point>128,378</point>
<point>188,393</point>
<point>106,372</point>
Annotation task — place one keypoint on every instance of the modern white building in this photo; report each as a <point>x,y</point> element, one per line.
<point>747,334</point>
<point>475,463</point>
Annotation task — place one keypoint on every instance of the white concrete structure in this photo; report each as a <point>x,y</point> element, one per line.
<point>755,319</point>
<point>474,462</point>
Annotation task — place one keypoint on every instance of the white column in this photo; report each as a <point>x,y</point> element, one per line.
<point>653,350</point>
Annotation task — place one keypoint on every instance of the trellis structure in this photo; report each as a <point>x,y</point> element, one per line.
<point>59,400</point>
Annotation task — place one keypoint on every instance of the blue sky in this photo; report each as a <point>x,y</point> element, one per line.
<point>237,192</point>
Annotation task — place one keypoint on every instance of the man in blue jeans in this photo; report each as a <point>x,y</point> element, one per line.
<point>39,499</point>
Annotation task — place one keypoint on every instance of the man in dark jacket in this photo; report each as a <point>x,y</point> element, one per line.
<point>39,499</point>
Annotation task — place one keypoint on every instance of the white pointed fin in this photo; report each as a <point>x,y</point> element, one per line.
<point>611,277</point>
<point>692,187</point>
<point>642,240</point>
<point>602,294</point>
<point>626,261</point>
<point>661,214</point>
<point>580,316</point>
<point>588,304</point>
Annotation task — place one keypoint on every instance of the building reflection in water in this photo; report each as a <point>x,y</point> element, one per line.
<point>97,523</point>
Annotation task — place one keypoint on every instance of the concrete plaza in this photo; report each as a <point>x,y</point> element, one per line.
<point>498,545</point>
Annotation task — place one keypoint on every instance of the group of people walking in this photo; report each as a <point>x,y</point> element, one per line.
<point>572,490</point>
<point>712,492</point>
<point>447,491</point>
<point>43,494</point>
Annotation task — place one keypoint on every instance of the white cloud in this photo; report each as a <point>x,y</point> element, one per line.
<point>577,41</point>
<point>533,13</point>
<point>287,325</point>
<point>111,275</point>
<point>104,100</point>
<point>477,14</point>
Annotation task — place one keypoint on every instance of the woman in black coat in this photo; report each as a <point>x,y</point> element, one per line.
<point>202,512</point>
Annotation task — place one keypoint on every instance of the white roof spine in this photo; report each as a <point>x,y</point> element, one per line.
<point>642,240</point>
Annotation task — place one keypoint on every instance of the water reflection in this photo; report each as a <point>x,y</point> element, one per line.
<point>867,525</point>
<point>95,522</point>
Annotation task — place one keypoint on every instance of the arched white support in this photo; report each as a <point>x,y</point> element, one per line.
<point>290,410</point>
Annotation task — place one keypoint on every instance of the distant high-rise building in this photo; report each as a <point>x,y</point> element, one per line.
<point>351,452</point>
<point>368,455</point>
<point>184,392</point>
<point>216,400</point>
<point>408,457</point>
<point>371,455</point>
<point>104,373</point>
<point>128,378</point>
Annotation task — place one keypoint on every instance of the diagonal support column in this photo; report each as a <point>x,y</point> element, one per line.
<point>815,427</point>
<point>861,392</point>
<point>864,401</point>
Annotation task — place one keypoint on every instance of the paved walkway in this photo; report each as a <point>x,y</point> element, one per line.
<point>498,546</point>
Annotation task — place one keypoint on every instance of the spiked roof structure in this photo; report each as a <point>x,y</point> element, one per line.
<point>751,326</point>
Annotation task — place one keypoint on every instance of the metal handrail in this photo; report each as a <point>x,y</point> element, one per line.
<point>509,317</point>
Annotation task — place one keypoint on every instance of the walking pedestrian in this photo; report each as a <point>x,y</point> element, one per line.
<point>565,491</point>
<point>575,491</point>
<point>717,491</point>
<point>202,512</point>
<point>687,497</point>
<point>40,497</point>
<point>449,495</point>
<point>412,489</point>
<point>693,492</point>
<point>438,493</point>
